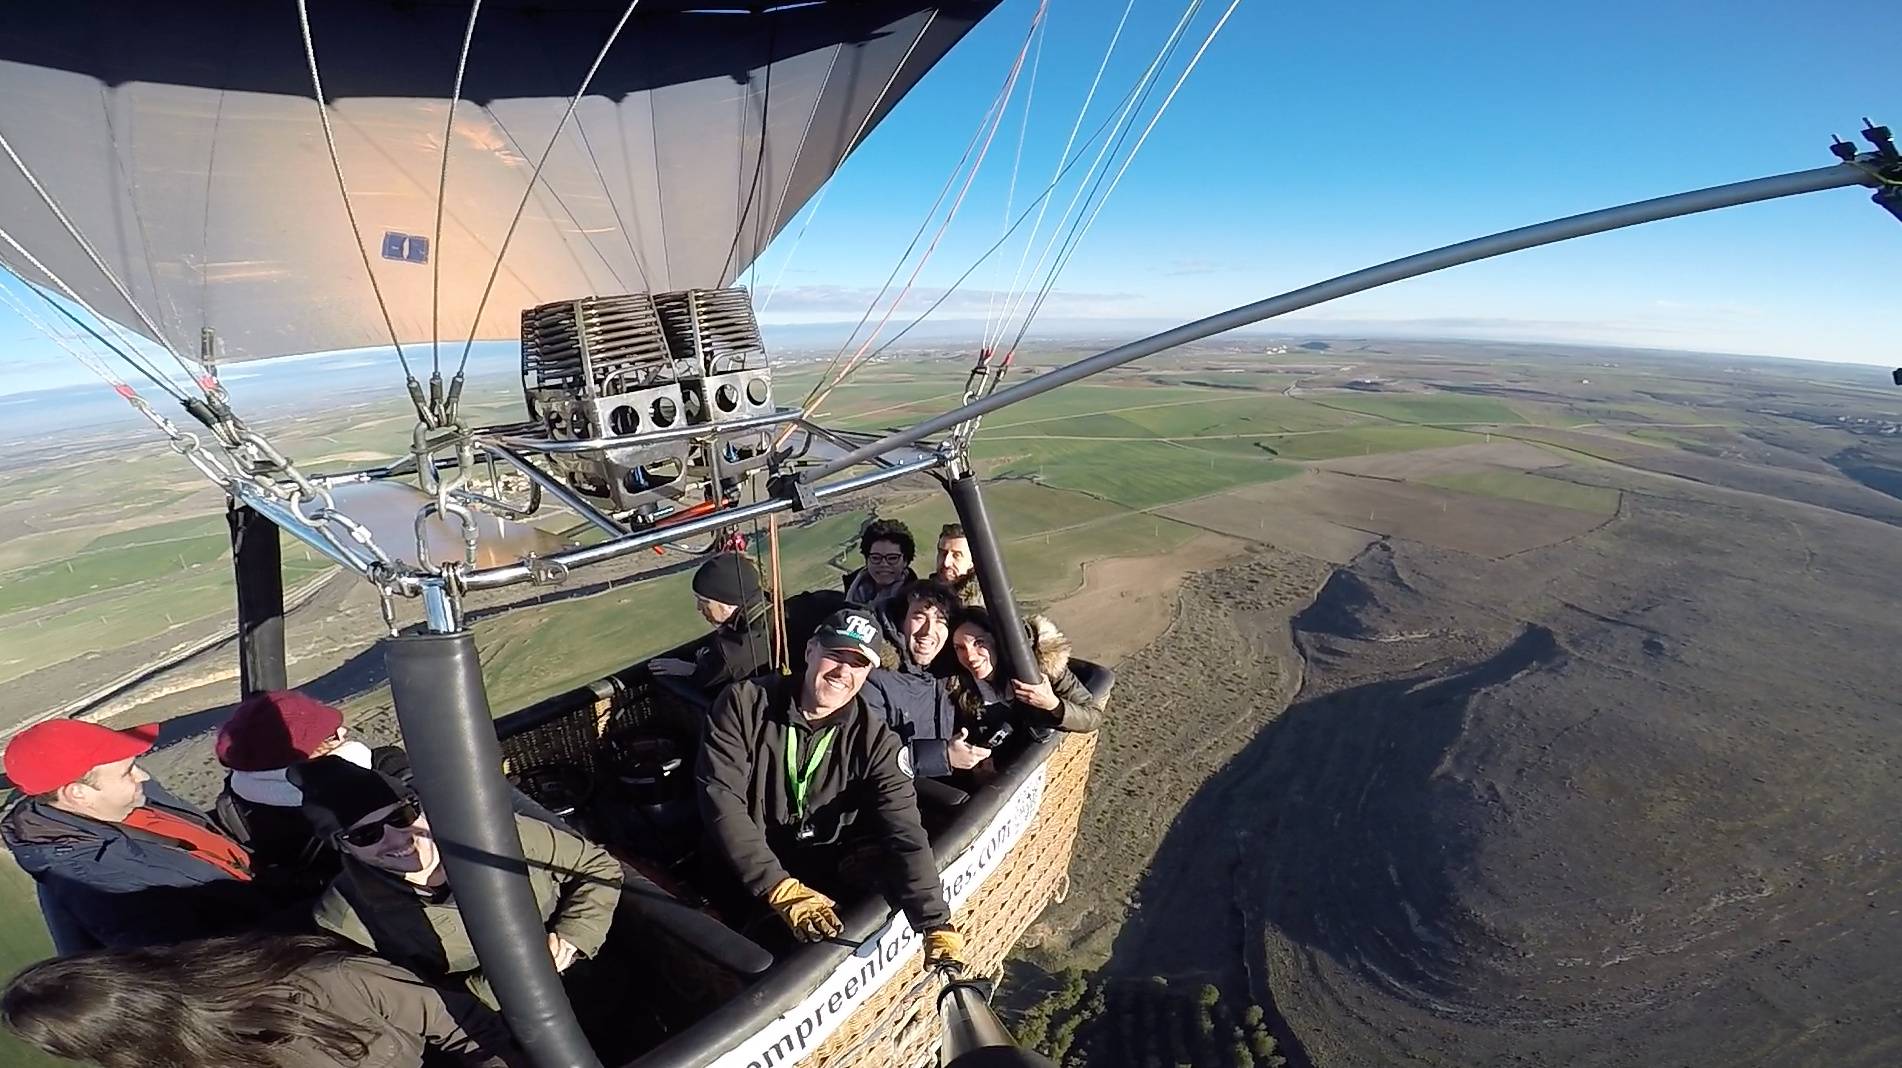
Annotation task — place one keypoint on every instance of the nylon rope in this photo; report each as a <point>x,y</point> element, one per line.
<point>1016,167</point>
<point>816,394</point>
<point>782,661</point>
<point>99,263</point>
<point>994,119</point>
<point>1092,178</point>
<point>1036,228</point>
<point>343,187</point>
<point>534,177</point>
<point>442,187</point>
<point>1064,260</point>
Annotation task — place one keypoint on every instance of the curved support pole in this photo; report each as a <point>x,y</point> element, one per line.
<point>1594,222</point>
<point>1012,640</point>
<point>443,710</point>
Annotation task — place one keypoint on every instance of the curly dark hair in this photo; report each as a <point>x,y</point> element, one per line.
<point>224,1001</point>
<point>928,591</point>
<point>888,530</point>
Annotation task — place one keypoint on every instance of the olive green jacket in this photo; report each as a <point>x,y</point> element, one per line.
<point>576,883</point>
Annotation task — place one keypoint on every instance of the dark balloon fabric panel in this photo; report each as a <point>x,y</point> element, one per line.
<point>183,142</point>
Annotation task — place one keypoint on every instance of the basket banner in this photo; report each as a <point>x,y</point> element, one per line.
<point>788,1039</point>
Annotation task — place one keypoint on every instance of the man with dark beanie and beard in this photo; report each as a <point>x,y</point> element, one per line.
<point>393,896</point>
<point>728,591</point>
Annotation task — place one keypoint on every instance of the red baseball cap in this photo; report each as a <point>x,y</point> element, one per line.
<point>48,755</point>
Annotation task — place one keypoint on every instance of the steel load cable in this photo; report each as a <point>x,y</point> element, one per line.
<point>442,186</point>
<point>1499,244</point>
<point>125,354</point>
<point>1119,121</point>
<point>1123,110</point>
<point>92,254</point>
<point>1086,192</point>
<point>1110,122</point>
<point>343,187</point>
<point>528,191</point>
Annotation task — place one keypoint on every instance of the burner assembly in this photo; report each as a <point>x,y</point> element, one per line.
<point>664,394</point>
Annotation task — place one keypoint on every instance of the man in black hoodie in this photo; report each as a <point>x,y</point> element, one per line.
<point>728,592</point>
<point>804,795</point>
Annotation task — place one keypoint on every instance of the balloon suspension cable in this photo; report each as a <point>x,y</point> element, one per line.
<point>1696,201</point>
<point>864,124</point>
<point>986,131</point>
<point>1077,234</point>
<point>1112,123</point>
<point>349,209</point>
<point>157,335</point>
<point>88,359</point>
<point>1043,203</point>
<point>442,186</point>
<point>535,176</point>
<point>1061,242</point>
<point>759,157</point>
<point>1017,165</point>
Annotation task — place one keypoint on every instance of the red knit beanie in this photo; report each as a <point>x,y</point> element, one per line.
<point>275,729</point>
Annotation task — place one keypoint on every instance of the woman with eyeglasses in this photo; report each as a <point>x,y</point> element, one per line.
<point>888,549</point>
<point>393,895</point>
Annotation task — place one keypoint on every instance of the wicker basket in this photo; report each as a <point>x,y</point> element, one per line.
<point>898,1028</point>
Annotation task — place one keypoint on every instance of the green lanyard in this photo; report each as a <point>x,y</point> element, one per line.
<point>799,783</point>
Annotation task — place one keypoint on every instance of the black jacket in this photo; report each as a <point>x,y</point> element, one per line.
<point>740,648</point>
<point>747,804</point>
<point>115,886</point>
<point>913,702</point>
<point>286,855</point>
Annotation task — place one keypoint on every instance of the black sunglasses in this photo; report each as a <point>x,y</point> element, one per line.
<point>370,834</point>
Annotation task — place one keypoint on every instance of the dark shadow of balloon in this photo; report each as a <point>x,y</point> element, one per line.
<point>1332,827</point>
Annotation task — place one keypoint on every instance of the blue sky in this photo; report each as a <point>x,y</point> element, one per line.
<point>1318,138</point>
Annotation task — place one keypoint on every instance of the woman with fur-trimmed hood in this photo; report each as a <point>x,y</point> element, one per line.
<point>988,701</point>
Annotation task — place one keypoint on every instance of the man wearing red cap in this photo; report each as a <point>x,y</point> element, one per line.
<point>119,860</point>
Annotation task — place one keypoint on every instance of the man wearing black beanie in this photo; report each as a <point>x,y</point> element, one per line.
<point>392,871</point>
<point>728,591</point>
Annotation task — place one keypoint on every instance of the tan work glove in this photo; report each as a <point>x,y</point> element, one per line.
<point>807,911</point>
<point>944,950</point>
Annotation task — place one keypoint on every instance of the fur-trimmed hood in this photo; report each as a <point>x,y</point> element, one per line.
<point>1051,647</point>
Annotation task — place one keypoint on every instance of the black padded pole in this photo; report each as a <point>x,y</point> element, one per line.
<point>973,1037</point>
<point>443,711</point>
<point>1012,640</point>
<point>257,563</point>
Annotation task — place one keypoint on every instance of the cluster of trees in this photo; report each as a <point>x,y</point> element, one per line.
<point>1145,1023</point>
